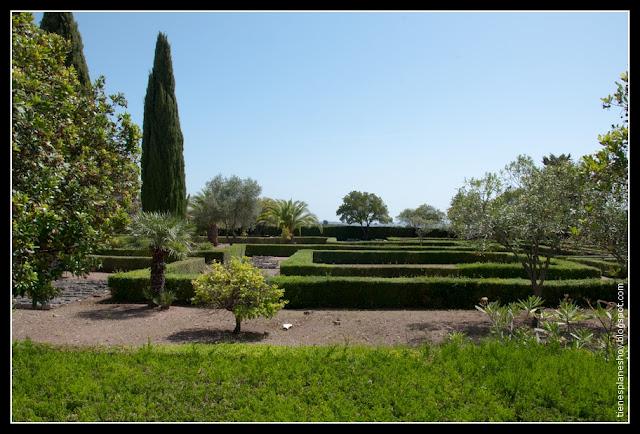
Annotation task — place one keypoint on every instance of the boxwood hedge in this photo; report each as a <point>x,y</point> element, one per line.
<point>408,257</point>
<point>429,292</point>
<point>301,264</point>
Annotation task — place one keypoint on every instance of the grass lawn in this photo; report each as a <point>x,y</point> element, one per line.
<point>491,381</point>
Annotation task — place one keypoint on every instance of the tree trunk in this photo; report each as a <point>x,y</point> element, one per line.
<point>365,232</point>
<point>237,329</point>
<point>212,234</point>
<point>157,272</point>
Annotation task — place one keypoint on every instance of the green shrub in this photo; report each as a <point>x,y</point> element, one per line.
<point>131,286</point>
<point>407,257</point>
<point>125,252</point>
<point>290,249</point>
<point>109,264</point>
<point>428,292</point>
<point>608,268</point>
<point>238,287</point>
<point>301,264</point>
<point>211,255</point>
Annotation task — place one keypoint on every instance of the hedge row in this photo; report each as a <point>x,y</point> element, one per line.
<point>407,257</point>
<point>109,264</point>
<point>130,286</point>
<point>269,240</point>
<point>608,268</point>
<point>429,292</point>
<point>343,232</point>
<point>290,249</point>
<point>209,255</point>
<point>300,264</point>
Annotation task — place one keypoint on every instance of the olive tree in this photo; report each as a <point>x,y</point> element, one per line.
<point>422,219</point>
<point>527,209</point>
<point>604,215</point>
<point>74,163</point>
<point>363,208</point>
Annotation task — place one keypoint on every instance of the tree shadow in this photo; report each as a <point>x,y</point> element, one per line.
<point>214,336</point>
<point>118,312</point>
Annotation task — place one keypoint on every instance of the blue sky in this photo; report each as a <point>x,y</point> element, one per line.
<point>404,105</point>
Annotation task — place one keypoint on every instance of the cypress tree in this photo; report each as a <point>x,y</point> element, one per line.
<point>63,24</point>
<point>162,162</point>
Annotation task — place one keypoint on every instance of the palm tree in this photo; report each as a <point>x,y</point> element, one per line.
<point>205,212</point>
<point>288,215</point>
<point>169,237</point>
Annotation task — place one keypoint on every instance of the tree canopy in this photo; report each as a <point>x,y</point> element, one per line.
<point>74,168</point>
<point>363,208</point>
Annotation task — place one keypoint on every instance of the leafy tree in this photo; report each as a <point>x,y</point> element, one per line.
<point>63,24</point>
<point>235,201</point>
<point>604,216</point>
<point>207,212</point>
<point>288,215</point>
<point>168,237</point>
<point>163,182</point>
<point>238,287</point>
<point>553,159</point>
<point>423,218</point>
<point>364,209</point>
<point>74,163</point>
<point>527,209</point>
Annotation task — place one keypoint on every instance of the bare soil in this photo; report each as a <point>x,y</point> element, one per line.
<point>96,321</point>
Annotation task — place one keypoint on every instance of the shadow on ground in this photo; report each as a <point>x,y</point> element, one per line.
<point>474,331</point>
<point>214,336</point>
<point>117,312</point>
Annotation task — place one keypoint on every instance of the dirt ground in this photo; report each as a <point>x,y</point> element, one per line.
<point>96,321</point>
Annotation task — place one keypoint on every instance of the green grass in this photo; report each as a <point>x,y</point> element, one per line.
<point>491,381</point>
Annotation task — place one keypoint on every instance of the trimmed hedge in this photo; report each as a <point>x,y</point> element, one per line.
<point>407,257</point>
<point>211,255</point>
<point>344,232</point>
<point>428,292</point>
<point>270,240</point>
<point>130,286</point>
<point>290,249</point>
<point>109,264</point>
<point>300,264</point>
<point>125,252</point>
<point>608,268</point>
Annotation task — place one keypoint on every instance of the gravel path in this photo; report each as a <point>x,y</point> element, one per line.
<point>73,289</point>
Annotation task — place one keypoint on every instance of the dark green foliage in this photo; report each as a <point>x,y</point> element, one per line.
<point>130,286</point>
<point>109,264</point>
<point>290,249</point>
<point>210,255</point>
<point>274,240</point>
<point>491,381</point>
<point>163,180</point>
<point>63,24</point>
<point>125,252</point>
<point>608,268</point>
<point>407,257</point>
<point>74,163</point>
<point>428,292</point>
<point>301,264</point>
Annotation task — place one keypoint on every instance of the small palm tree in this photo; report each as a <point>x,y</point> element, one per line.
<point>169,237</point>
<point>288,215</point>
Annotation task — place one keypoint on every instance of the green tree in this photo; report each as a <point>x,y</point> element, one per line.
<point>207,212</point>
<point>604,215</point>
<point>553,159</point>
<point>364,209</point>
<point>423,218</point>
<point>168,236</point>
<point>238,287</point>
<point>288,215</point>
<point>528,210</point>
<point>232,202</point>
<point>63,24</point>
<point>163,181</point>
<point>74,163</point>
